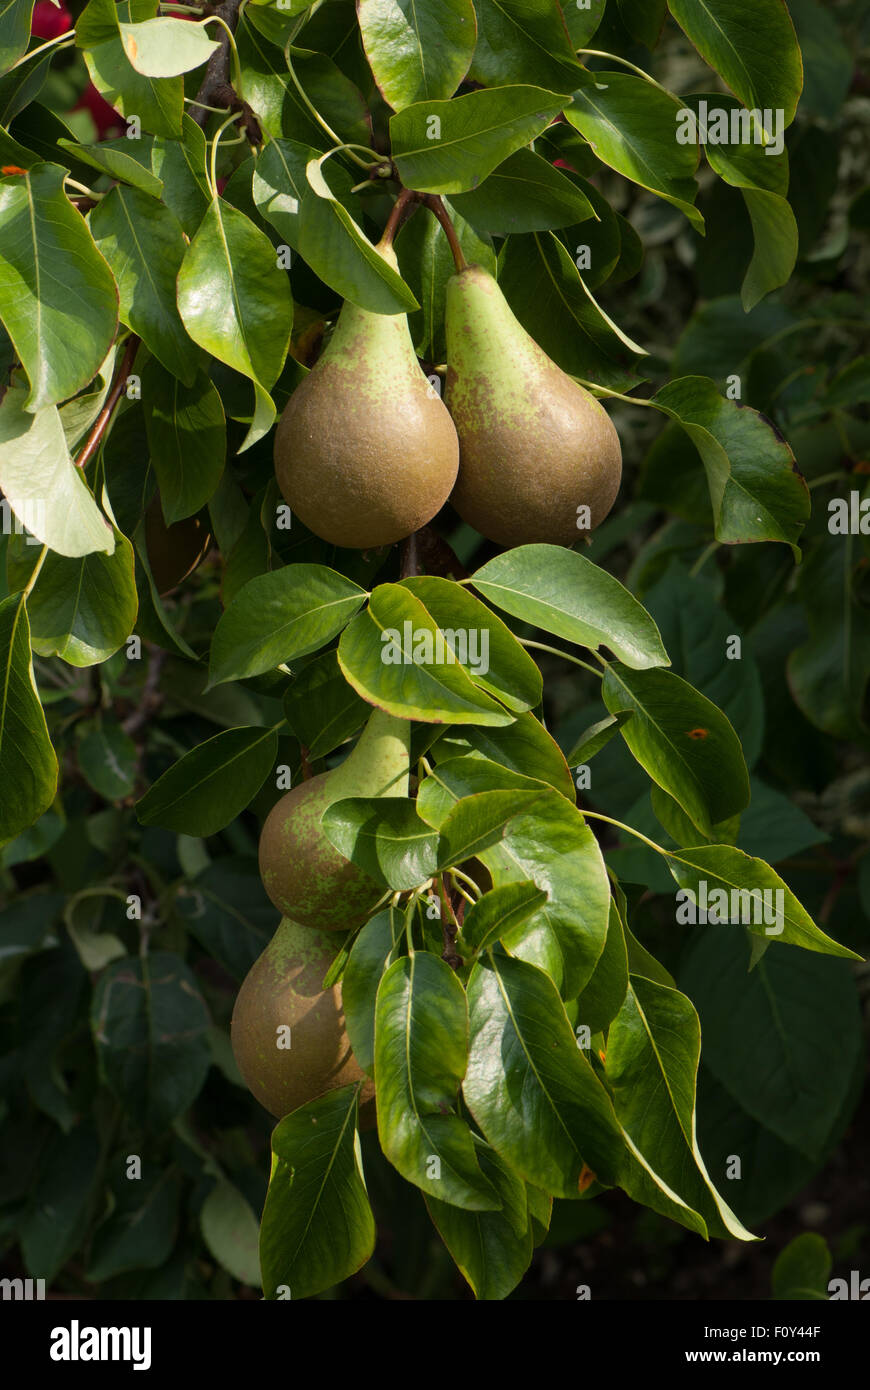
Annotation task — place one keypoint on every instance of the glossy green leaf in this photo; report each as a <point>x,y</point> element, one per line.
<point>596,737</point>
<point>418,50</point>
<point>755,896</point>
<point>483,643</point>
<point>359,985</point>
<point>476,133</point>
<point>391,656</point>
<point>528,1085</point>
<point>321,708</point>
<point>144,246</point>
<point>498,912</point>
<point>632,126</point>
<point>279,617</point>
<point>385,837</point>
<point>421,1049</point>
<point>524,747</point>
<point>41,483</point>
<point>279,185</point>
<point>149,1024</point>
<point>28,765</point>
<point>478,822</point>
<point>682,740</point>
<point>113,157</point>
<point>317,1226</point>
<point>583,20</point>
<point>15,19</point>
<point>737,39</point>
<point>233,296</point>
<point>566,594</point>
<point>187,439</point>
<point>58,300</point>
<point>653,1049</point>
<point>602,997</point>
<point>166,47</point>
<point>338,250</point>
<point>755,488</point>
<point>492,1249</point>
<point>523,41</point>
<point>524,194</point>
<point>555,305</point>
<point>211,784</point>
<point>644,19</point>
<point>156,101</point>
<point>782,1039</point>
<point>82,608</point>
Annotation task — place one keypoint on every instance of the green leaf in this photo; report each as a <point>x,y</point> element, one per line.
<point>149,1024</point>
<point>421,1048</point>
<point>359,985</point>
<point>390,655</point>
<point>653,1050</point>
<point>682,740</point>
<point>386,838</point>
<point>528,1085</point>
<point>478,822</point>
<point>55,1221</point>
<point>15,20</point>
<point>157,102</point>
<point>755,488</point>
<point>554,304</point>
<point>709,870</point>
<point>583,20</point>
<point>211,784</point>
<point>108,758</point>
<point>603,996</point>
<point>112,157</point>
<point>644,19</point>
<point>418,50</point>
<point>802,1269</point>
<point>279,185</point>
<point>58,300</point>
<point>564,593</point>
<point>340,253</point>
<point>279,617</point>
<point>231,1231</point>
<point>28,766</point>
<point>782,1039</point>
<point>22,85</point>
<point>632,126</point>
<point>140,1232</point>
<point>317,1226</point>
<point>226,909</point>
<point>485,646</point>
<point>427,266</point>
<point>829,672</point>
<point>499,912</point>
<point>524,194</point>
<point>233,297</point>
<point>41,483</point>
<point>476,133</point>
<point>321,708</point>
<point>82,608</point>
<point>144,246</point>
<point>523,41</point>
<point>596,737</point>
<point>524,746</point>
<point>736,38</point>
<point>187,438</point>
<point>492,1249</point>
<point>166,47</point>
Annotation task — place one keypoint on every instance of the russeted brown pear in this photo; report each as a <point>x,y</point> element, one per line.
<point>304,875</point>
<point>365,450</point>
<point>288,1033</point>
<point>535,448</point>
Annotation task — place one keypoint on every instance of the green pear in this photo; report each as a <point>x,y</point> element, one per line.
<point>283,991</point>
<point>365,450</point>
<point>304,875</point>
<point>535,447</point>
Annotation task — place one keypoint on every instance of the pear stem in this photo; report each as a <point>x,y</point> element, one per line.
<point>435,206</point>
<point>397,215</point>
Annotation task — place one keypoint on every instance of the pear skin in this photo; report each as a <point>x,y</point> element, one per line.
<point>284,989</point>
<point>304,875</point>
<point>365,450</point>
<point>534,446</point>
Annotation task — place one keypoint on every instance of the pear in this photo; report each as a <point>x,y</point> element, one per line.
<point>284,989</point>
<point>304,875</point>
<point>534,446</point>
<point>365,450</point>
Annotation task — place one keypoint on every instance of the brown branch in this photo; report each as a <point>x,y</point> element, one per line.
<point>409,564</point>
<point>216,88</point>
<point>401,209</point>
<point>449,928</point>
<point>102,420</point>
<point>435,206</point>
